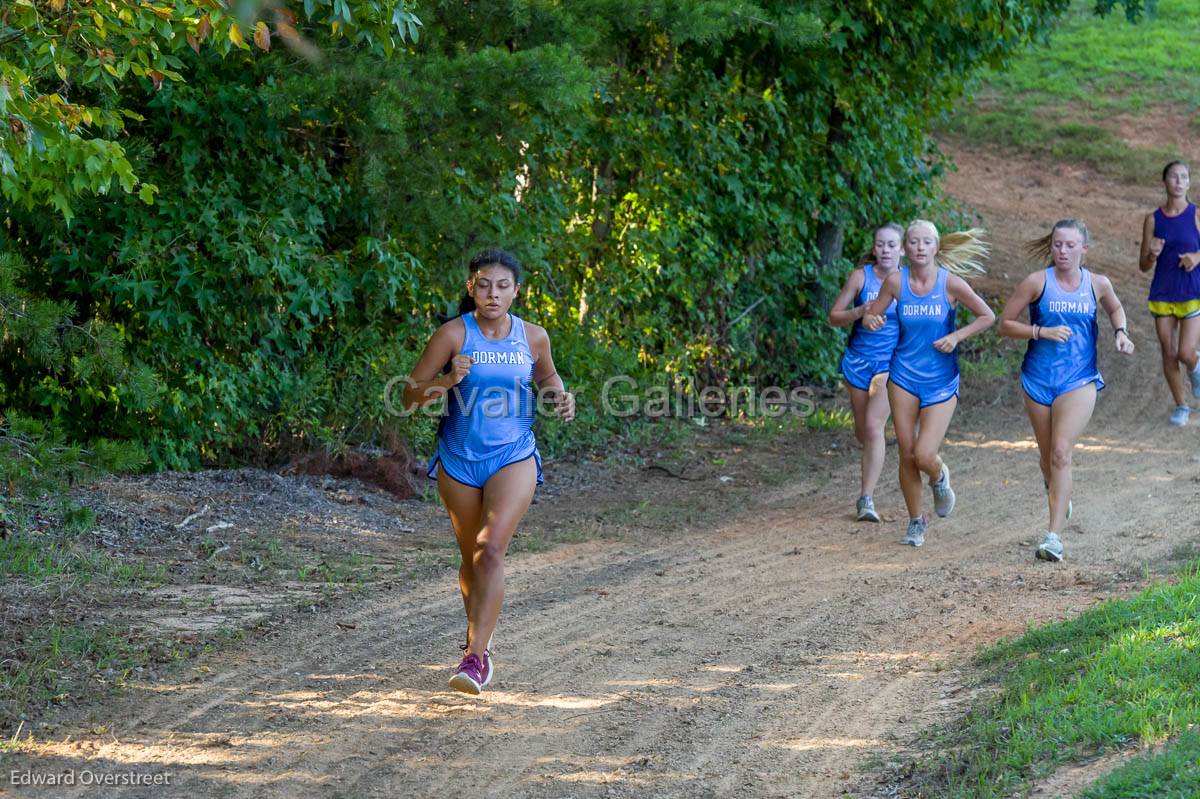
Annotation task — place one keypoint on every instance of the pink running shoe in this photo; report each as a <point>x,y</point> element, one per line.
<point>468,677</point>
<point>487,668</point>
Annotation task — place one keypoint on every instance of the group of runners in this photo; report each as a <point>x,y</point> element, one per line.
<point>901,357</point>
<point>901,360</point>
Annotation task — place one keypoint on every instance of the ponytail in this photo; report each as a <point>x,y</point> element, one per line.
<point>1039,249</point>
<point>961,253</point>
<point>466,304</point>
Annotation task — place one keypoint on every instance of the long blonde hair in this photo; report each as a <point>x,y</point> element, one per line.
<point>962,253</point>
<point>1039,249</point>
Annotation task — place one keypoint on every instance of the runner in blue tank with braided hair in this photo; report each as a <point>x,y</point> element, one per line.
<point>923,375</point>
<point>1171,247</point>
<point>868,357</point>
<point>1059,374</point>
<point>487,464</point>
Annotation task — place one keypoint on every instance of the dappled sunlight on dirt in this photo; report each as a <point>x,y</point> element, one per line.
<point>809,744</point>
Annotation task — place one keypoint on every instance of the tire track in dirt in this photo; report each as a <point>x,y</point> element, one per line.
<point>770,655</point>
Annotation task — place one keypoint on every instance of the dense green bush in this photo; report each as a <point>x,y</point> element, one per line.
<point>678,177</point>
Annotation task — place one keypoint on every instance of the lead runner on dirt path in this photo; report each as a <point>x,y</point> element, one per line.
<point>487,464</point>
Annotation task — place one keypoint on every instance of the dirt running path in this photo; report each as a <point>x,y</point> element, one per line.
<point>768,656</point>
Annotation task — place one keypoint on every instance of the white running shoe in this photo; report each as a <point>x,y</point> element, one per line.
<point>916,532</point>
<point>943,494</point>
<point>865,510</point>
<point>1050,549</point>
<point>1179,416</point>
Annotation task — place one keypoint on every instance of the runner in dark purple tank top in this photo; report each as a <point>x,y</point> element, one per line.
<point>1171,247</point>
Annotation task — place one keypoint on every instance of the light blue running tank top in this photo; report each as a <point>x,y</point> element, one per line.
<point>493,406</point>
<point>877,345</point>
<point>923,320</point>
<point>1058,364</point>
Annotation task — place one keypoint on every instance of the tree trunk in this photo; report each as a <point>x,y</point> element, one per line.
<point>831,234</point>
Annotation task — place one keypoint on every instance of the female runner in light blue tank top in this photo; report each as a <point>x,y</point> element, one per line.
<point>923,381</point>
<point>487,464</point>
<point>868,355</point>
<point>1059,374</point>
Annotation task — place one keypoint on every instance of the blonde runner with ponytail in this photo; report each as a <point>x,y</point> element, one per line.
<point>961,253</point>
<point>923,376</point>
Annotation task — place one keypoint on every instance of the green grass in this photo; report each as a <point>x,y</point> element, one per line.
<point>1106,65</point>
<point>1172,774</point>
<point>1058,99</point>
<point>1099,148</point>
<point>54,658</point>
<point>267,556</point>
<point>36,558</point>
<point>830,419</point>
<point>1120,674</point>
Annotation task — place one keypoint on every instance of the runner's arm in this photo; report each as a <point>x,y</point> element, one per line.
<point>873,316</point>
<point>843,313</point>
<point>1024,294</point>
<point>959,290</point>
<point>1190,260</point>
<point>1146,256</point>
<point>546,376</point>
<point>1106,295</point>
<point>424,385</point>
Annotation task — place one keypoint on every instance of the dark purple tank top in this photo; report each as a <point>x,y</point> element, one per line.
<point>1171,283</point>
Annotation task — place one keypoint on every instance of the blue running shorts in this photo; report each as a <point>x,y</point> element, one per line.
<point>476,473</point>
<point>859,371</point>
<point>1044,394</point>
<point>929,395</point>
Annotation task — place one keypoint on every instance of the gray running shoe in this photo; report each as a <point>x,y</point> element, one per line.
<point>1179,416</point>
<point>866,510</point>
<point>1050,549</point>
<point>1195,378</point>
<point>916,532</point>
<point>943,494</point>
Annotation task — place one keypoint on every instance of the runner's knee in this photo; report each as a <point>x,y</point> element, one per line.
<point>872,430</point>
<point>489,556</point>
<point>1060,456</point>
<point>926,459</point>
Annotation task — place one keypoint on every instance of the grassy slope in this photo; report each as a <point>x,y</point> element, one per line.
<point>1123,673</point>
<point>1068,99</point>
